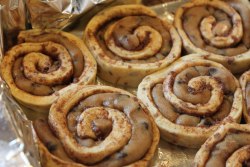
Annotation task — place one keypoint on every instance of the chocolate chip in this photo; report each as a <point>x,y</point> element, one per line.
<point>45,69</point>
<point>181,81</point>
<point>145,124</point>
<point>212,71</point>
<point>228,93</point>
<point>208,122</point>
<point>51,146</point>
<point>246,163</point>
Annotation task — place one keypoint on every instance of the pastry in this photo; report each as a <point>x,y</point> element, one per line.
<point>44,62</point>
<point>229,146</point>
<point>190,98</point>
<point>126,53</point>
<point>95,126</point>
<point>218,30</point>
<point>245,85</point>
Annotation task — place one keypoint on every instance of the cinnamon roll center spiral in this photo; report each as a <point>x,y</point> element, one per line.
<point>133,41</point>
<point>74,52</point>
<point>97,123</point>
<point>215,27</point>
<point>41,68</point>
<point>103,130</point>
<point>142,39</point>
<point>195,94</point>
<point>197,85</point>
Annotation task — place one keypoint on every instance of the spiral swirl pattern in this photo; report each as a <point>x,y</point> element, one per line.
<point>190,98</point>
<point>217,29</point>
<point>44,62</point>
<point>97,127</point>
<point>228,146</point>
<point>126,52</point>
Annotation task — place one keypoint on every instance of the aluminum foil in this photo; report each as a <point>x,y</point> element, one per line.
<point>20,138</point>
<point>23,14</point>
<point>17,144</point>
<point>58,13</point>
<point>17,139</point>
<point>13,20</point>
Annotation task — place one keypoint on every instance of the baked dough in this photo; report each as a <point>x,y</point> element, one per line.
<point>44,62</point>
<point>94,125</point>
<point>229,146</point>
<point>217,30</point>
<point>190,99</point>
<point>130,42</point>
<point>245,86</point>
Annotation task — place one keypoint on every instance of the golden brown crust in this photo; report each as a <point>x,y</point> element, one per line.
<point>125,52</point>
<point>176,124</point>
<point>81,93</point>
<point>24,73</point>
<point>228,146</point>
<point>245,86</point>
<point>216,31</point>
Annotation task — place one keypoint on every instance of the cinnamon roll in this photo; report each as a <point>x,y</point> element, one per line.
<point>229,146</point>
<point>190,98</point>
<point>95,126</point>
<point>245,85</point>
<point>130,42</point>
<point>44,62</point>
<point>220,30</point>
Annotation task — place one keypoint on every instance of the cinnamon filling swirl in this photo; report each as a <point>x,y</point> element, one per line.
<point>228,146</point>
<point>126,52</point>
<point>43,64</point>
<point>191,98</point>
<point>98,127</point>
<point>136,42</point>
<point>75,53</point>
<point>213,30</point>
<point>41,68</point>
<point>196,96</point>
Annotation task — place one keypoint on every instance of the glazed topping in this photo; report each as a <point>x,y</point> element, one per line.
<point>110,129</point>
<point>195,94</point>
<point>75,53</point>
<point>145,39</point>
<point>41,68</point>
<point>231,147</point>
<point>218,28</point>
